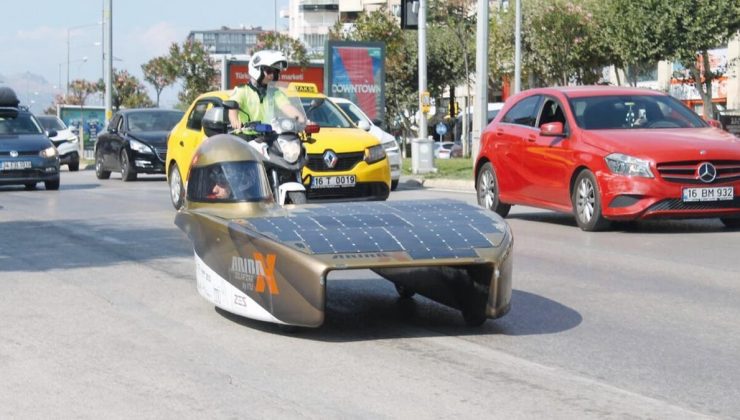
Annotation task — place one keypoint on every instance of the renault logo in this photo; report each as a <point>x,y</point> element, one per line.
<point>13,153</point>
<point>330,159</point>
<point>707,172</point>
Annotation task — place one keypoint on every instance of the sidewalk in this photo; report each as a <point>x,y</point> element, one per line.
<point>419,181</point>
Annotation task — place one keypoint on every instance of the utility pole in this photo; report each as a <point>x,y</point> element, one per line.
<point>422,67</point>
<point>518,48</point>
<point>109,68</point>
<point>480,109</point>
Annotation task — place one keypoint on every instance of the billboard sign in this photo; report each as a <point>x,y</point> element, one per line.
<point>356,71</point>
<point>237,74</point>
<point>92,118</point>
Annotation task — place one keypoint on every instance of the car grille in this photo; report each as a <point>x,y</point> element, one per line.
<point>161,153</point>
<point>345,162</point>
<point>26,153</point>
<point>677,204</point>
<point>685,172</point>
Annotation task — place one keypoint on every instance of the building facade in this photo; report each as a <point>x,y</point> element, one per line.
<point>234,41</point>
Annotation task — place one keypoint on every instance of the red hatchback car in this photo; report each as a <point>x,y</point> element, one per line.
<point>608,153</point>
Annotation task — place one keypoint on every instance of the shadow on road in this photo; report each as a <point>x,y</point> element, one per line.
<point>67,244</point>
<point>643,226</point>
<point>369,309</point>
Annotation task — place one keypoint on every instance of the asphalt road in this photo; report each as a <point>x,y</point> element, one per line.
<point>100,318</point>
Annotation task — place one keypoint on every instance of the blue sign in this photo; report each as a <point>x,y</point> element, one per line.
<point>441,129</point>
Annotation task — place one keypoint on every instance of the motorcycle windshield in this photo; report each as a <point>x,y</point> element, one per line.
<point>283,111</point>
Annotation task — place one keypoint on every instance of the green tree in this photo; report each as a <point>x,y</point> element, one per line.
<point>160,73</point>
<point>127,92</point>
<point>79,91</point>
<point>194,66</point>
<point>291,47</point>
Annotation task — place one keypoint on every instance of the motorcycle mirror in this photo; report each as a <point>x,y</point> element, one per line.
<point>312,128</point>
<point>231,104</point>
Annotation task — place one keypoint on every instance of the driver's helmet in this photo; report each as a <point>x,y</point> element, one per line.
<point>234,166</point>
<point>272,59</point>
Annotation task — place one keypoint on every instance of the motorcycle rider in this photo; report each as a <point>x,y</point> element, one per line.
<point>255,98</point>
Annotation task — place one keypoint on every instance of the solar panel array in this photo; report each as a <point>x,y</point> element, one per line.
<point>425,229</point>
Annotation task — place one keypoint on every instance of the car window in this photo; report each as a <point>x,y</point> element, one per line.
<point>51,123</point>
<point>196,115</point>
<point>24,123</point>
<point>633,111</point>
<point>153,120</point>
<point>551,111</point>
<point>524,112</point>
<point>352,112</point>
<point>325,113</point>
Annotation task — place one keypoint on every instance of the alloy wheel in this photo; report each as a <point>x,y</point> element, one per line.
<point>586,200</point>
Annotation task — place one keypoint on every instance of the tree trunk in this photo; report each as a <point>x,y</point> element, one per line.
<point>707,94</point>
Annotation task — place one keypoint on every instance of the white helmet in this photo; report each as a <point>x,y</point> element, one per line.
<point>267,58</point>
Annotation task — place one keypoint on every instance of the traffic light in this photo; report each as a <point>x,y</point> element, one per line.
<point>410,14</point>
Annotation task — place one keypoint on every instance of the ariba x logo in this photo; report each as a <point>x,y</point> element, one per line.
<point>261,268</point>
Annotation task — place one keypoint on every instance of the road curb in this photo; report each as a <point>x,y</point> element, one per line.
<point>461,185</point>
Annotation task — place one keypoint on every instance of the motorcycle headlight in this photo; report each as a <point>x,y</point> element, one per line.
<point>291,149</point>
<point>627,165</point>
<point>49,152</point>
<point>286,125</point>
<point>374,154</point>
<point>140,147</point>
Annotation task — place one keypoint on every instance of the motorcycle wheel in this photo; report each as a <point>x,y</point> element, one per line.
<point>297,197</point>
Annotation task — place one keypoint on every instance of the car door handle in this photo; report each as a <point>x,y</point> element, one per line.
<point>531,138</point>
<point>182,144</point>
<point>499,132</point>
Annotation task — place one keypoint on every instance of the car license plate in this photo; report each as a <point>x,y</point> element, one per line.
<point>339,181</point>
<point>16,164</point>
<point>708,194</point>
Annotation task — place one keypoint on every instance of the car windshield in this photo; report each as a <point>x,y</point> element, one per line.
<point>352,112</point>
<point>633,111</point>
<point>24,123</point>
<point>324,113</point>
<point>51,123</point>
<point>153,120</point>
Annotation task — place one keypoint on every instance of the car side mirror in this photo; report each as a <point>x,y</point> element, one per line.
<point>213,121</point>
<point>364,125</point>
<point>715,123</point>
<point>51,133</point>
<point>552,129</point>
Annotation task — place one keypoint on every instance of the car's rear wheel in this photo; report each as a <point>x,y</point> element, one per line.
<point>30,185</point>
<point>177,192</point>
<point>128,173</point>
<point>52,185</point>
<point>488,191</point>
<point>731,222</point>
<point>394,184</point>
<point>297,197</point>
<point>100,172</point>
<point>586,200</point>
<point>74,166</point>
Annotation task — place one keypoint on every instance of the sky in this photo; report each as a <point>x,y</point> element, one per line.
<point>33,38</point>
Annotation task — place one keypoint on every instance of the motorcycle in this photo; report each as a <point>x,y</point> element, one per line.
<point>279,140</point>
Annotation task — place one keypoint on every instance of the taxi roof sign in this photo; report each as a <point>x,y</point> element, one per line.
<point>303,87</point>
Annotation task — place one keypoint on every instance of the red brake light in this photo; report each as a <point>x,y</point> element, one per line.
<point>312,128</point>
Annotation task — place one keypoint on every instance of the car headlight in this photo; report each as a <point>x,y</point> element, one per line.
<point>627,165</point>
<point>291,149</point>
<point>49,152</point>
<point>391,146</point>
<point>374,154</point>
<point>139,146</point>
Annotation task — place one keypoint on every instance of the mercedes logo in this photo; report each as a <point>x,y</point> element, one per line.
<point>330,159</point>
<point>13,153</point>
<point>707,172</point>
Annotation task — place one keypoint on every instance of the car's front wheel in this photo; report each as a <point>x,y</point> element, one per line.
<point>128,173</point>
<point>488,191</point>
<point>586,200</point>
<point>52,185</point>
<point>731,222</point>
<point>394,184</point>
<point>100,171</point>
<point>176,189</point>
<point>74,166</point>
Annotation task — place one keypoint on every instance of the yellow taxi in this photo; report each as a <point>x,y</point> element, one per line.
<point>344,162</point>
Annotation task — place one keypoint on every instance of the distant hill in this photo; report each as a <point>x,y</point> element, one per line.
<point>32,89</point>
